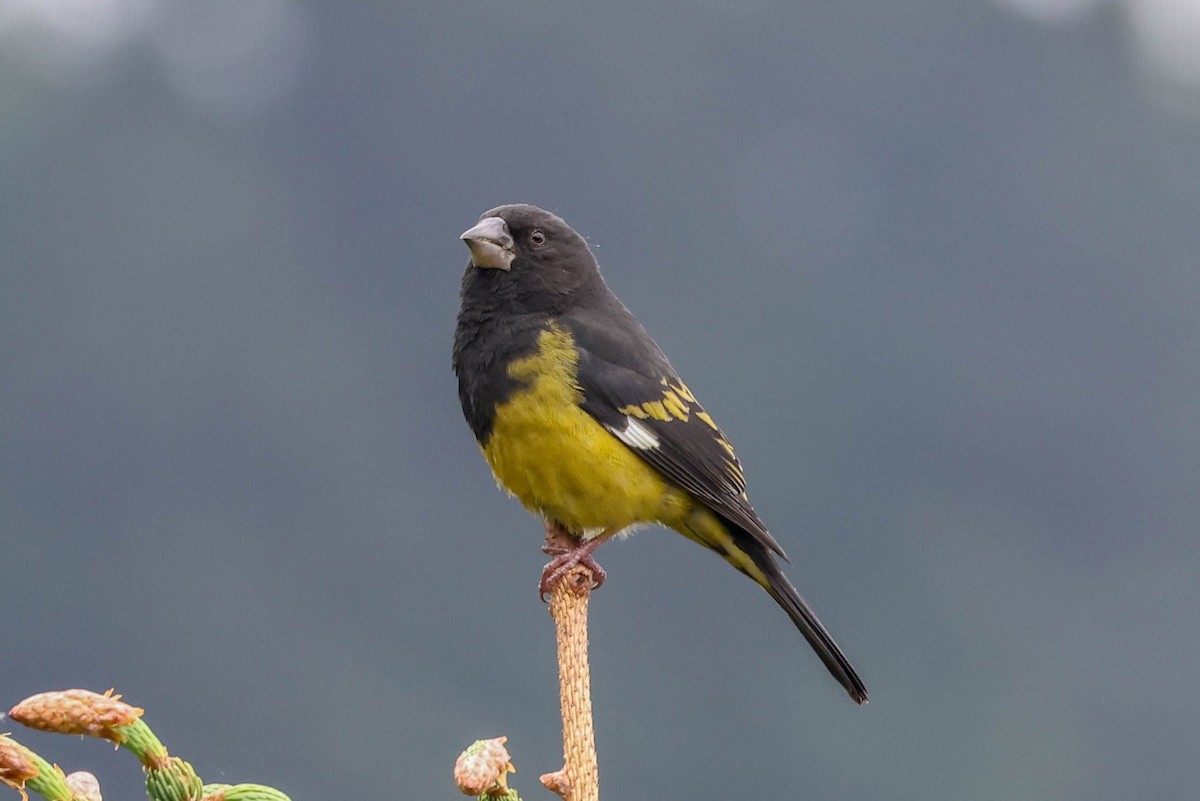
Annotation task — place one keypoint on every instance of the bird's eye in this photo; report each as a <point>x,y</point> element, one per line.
<point>537,238</point>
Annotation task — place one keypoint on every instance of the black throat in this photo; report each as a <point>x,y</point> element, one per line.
<point>487,338</point>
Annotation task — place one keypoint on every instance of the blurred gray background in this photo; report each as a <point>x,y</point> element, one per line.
<point>932,265</point>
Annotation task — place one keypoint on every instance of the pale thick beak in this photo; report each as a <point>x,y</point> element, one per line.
<point>491,244</point>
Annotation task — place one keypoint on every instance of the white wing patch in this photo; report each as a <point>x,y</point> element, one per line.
<point>635,435</point>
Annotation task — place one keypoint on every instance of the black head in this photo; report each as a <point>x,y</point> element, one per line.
<point>527,259</point>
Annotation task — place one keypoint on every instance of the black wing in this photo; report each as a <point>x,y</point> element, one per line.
<point>630,388</point>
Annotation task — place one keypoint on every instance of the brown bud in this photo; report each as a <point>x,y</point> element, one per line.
<point>84,786</point>
<point>483,767</point>
<point>77,712</point>
<point>17,765</point>
<point>558,783</point>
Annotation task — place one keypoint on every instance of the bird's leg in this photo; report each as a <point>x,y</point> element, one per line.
<point>568,551</point>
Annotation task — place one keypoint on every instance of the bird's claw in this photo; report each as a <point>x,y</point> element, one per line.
<point>564,561</point>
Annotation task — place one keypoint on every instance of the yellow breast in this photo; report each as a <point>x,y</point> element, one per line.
<point>561,463</point>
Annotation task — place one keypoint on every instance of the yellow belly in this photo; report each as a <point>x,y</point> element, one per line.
<point>559,462</point>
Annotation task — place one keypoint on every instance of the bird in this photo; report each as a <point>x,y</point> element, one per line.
<point>583,419</point>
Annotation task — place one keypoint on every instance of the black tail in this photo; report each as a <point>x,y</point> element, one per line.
<point>754,555</point>
<point>806,620</point>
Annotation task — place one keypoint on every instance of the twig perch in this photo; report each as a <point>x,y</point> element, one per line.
<point>482,769</point>
<point>579,778</point>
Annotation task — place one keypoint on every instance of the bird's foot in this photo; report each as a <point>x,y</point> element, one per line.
<point>568,551</point>
<point>558,567</point>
